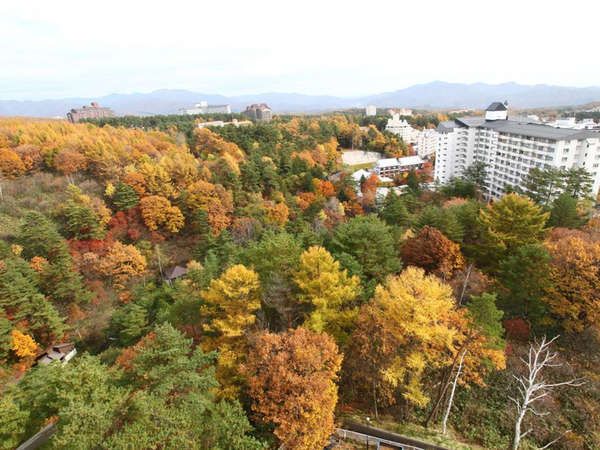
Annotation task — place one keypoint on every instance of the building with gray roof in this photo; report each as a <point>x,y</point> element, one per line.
<point>511,148</point>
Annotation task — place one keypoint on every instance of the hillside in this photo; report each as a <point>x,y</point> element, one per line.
<point>434,95</point>
<point>236,288</point>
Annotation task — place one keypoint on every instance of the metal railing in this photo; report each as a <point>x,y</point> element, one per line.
<point>374,440</point>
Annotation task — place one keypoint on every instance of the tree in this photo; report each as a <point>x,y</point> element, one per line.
<point>330,292</point>
<point>478,348</point>
<point>508,224</point>
<point>370,242</point>
<point>413,183</point>
<point>532,387</point>
<point>417,315</point>
<point>564,212</point>
<point>476,174</point>
<point>125,197</point>
<point>86,219</point>
<point>578,182</point>
<point>394,210</point>
<point>22,344</point>
<point>574,293</point>
<point>121,263</point>
<point>275,258</point>
<point>522,282</point>
<point>159,393</point>
<point>157,211</point>
<point>291,380</point>
<point>432,251</point>
<point>232,300</point>
<point>68,161</point>
<point>214,199</point>
<point>11,165</point>
<point>543,185</point>
<point>443,220</point>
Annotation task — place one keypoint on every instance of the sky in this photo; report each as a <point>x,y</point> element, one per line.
<point>64,48</point>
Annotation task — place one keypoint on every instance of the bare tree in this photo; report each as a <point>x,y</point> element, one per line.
<point>532,387</point>
<point>451,399</point>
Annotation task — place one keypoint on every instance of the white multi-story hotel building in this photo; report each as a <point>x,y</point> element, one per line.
<point>510,148</point>
<point>400,127</point>
<point>425,142</point>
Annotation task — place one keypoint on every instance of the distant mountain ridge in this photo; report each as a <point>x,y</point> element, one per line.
<point>434,95</point>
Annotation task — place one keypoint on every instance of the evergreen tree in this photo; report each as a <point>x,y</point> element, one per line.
<point>476,174</point>
<point>564,212</point>
<point>370,241</point>
<point>394,211</point>
<point>442,219</point>
<point>522,281</point>
<point>125,197</point>
<point>578,182</point>
<point>543,185</point>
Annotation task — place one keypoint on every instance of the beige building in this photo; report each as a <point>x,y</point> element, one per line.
<point>89,112</point>
<point>258,111</point>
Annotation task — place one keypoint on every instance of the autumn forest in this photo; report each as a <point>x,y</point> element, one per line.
<point>236,288</point>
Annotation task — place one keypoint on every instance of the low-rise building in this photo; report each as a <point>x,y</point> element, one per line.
<point>204,108</point>
<point>173,273</point>
<point>370,110</point>
<point>258,111</point>
<point>360,174</point>
<point>89,112</point>
<point>390,167</point>
<point>58,352</point>
<point>221,123</point>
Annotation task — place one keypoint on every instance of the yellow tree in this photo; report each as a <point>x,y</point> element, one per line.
<point>121,263</point>
<point>574,294</point>
<point>11,165</point>
<point>22,344</point>
<point>232,301</point>
<point>419,316</point>
<point>214,199</point>
<point>330,292</point>
<point>508,224</point>
<point>157,211</point>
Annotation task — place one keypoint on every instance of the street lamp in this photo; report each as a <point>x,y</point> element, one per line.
<point>369,423</point>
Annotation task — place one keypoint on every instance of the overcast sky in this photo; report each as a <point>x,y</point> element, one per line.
<point>64,48</point>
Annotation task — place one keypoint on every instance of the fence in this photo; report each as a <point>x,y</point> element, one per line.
<point>375,441</point>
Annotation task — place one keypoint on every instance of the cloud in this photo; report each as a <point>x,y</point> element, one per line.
<point>74,48</point>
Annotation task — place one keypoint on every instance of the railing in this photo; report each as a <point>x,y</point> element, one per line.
<point>368,439</point>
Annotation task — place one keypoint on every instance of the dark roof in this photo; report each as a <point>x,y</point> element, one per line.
<point>496,106</point>
<point>65,347</point>
<point>523,128</point>
<point>175,272</point>
<point>446,127</point>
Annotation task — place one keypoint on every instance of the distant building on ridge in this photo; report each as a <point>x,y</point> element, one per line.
<point>89,112</point>
<point>258,111</point>
<point>371,110</point>
<point>204,108</point>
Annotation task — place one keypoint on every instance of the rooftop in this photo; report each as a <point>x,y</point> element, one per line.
<point>405,161</point>
<point>496,106</point>
<point>523,128</point>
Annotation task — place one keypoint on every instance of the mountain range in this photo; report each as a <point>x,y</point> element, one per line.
<point>434,95</point>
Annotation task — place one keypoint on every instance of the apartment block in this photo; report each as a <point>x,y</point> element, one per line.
<point>511,148</point>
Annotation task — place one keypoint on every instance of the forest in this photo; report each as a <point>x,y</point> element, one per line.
<point>303,298</point>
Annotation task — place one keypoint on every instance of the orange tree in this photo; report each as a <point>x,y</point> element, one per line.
<point>291,380</point>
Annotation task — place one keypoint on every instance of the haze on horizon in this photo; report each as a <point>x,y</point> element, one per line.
<point>77,49</point>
